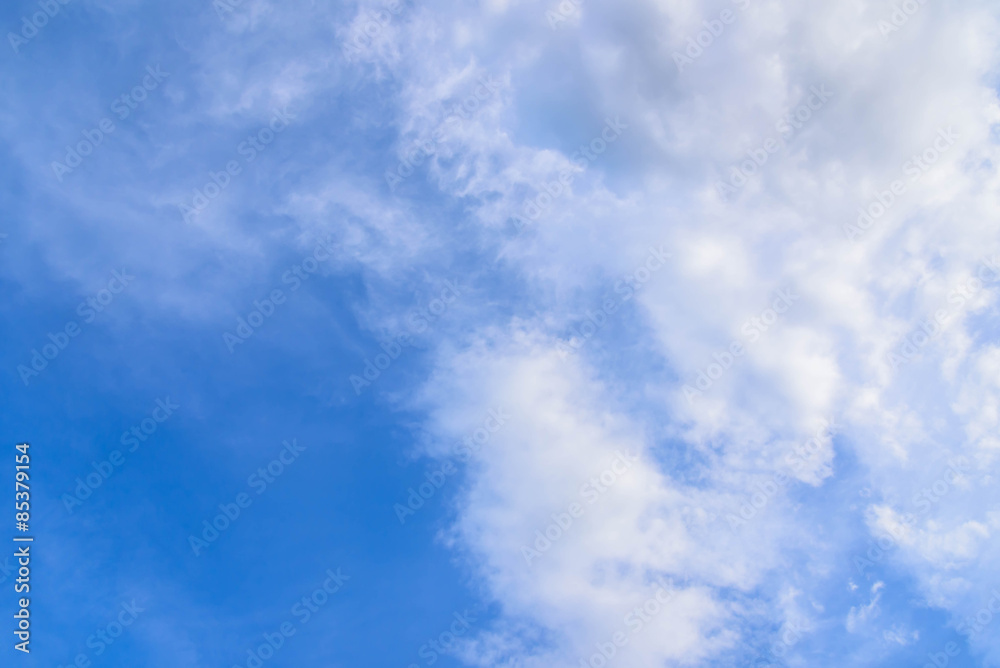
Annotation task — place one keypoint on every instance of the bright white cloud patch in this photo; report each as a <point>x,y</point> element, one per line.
<point>838,154</point>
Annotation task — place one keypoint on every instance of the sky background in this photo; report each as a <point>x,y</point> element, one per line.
<point>565,235</point>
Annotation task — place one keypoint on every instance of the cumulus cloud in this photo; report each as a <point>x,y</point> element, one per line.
<point>871,208</point>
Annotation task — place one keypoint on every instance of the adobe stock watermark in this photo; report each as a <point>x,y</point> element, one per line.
<point>418,320</point>
<point>226,8</point>
<point>705,38</point>
<point>534,207</point>
<point>367,34</point>
<point>249,149</point>
<point>591,492</point>
<point>973,626</point>
<point>87,310</point>
<point>106,636</point>
<point>563,12</point>
<point>929,329</point>
<point>915,168</point>
<point>924,501</point>
<point>942,659</point>
<point>970,627</point>
<point>901,14</point>
<point>259,481</point>
<point>774,655</point>
<point>420,151</point>
<point>630,285</point>
<point>447,640</point>
<point>635,620</point>
<point>765,491</point>
<point>790,123</point>
<point>303,611</point>
<point>466,450</point>
<point>138,434</point>
<point>30,26</point>
<point>752,329</point>
<point>122,106</point>
<point>264,308</point>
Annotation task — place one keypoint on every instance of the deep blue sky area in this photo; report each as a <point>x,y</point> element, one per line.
<point>129,541</point>
<point>331,508</point>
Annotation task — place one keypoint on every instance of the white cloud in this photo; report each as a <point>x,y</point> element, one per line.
<point>826,358</point>
<point>861,616</point>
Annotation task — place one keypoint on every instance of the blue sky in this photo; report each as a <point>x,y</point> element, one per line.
<point>295,262</point>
